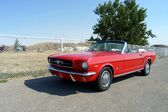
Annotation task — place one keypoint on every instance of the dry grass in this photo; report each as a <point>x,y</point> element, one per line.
<point>24,63</point>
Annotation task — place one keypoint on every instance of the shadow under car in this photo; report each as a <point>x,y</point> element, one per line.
<point>56,86</point>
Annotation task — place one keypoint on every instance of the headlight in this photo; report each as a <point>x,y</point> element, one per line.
<point>85,65</point>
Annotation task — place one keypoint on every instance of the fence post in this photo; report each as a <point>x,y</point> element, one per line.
<point>62,46</point>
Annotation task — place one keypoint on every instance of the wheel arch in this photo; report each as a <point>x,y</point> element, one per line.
<point>148,59</point>
<point>108,65</point>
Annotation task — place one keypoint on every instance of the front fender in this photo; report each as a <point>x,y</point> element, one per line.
<point>106,64</point>
<point>146,59</point>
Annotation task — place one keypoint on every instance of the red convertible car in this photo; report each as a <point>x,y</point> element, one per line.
<point>101,63</point>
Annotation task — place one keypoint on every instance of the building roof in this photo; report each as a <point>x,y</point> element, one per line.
<point>160,45</point>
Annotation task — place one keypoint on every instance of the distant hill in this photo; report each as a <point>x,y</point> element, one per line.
<point>54,46</point>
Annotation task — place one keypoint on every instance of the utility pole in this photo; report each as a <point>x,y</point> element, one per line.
<point>62,45</point>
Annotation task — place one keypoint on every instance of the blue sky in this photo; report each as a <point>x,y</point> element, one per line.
<point>70,19</point>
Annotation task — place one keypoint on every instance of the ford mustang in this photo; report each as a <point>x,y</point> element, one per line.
<point>104,61</point>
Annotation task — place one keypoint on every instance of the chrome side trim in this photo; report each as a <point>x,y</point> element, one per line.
<point>119,75</point>
<point>71,73</point>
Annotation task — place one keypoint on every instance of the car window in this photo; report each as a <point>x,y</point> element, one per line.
<point>114,47</point>
<point>98,47</point>
<point>109,47</point>
<point>131,49</point>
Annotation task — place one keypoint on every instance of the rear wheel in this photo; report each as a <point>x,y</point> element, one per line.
<point>104,79</point>
<point>147,68</point>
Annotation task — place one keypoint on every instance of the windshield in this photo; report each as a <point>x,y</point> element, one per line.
<point>113,47</point>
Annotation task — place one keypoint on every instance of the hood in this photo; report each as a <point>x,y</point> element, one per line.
<point>83,55</point>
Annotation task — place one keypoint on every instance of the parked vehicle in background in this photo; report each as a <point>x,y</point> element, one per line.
<point>104,61</point>
<point>2,49</point>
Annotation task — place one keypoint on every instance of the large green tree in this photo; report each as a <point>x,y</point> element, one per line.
<point>122,21</point>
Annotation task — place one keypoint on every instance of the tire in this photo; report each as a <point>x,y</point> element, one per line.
<point>104,79</point>
<point>147,69</point>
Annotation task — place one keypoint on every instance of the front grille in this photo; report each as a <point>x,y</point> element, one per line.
<point>61,68</point>
<point>61,63</point>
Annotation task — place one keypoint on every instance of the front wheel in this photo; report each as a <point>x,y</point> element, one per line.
<point>147,69</point>
<point>104,79</point>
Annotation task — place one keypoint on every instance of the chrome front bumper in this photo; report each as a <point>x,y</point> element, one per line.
<point>71,73</point>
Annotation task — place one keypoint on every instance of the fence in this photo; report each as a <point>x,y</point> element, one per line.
<point>28,55</point>
<point>23,56</point>
<point>161,52</point>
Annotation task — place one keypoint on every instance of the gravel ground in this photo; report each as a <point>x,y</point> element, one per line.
<point>132,93</point>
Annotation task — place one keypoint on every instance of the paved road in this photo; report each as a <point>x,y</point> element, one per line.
<point>133,93</point>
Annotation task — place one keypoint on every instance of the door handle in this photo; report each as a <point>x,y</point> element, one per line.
<point>140,54</point>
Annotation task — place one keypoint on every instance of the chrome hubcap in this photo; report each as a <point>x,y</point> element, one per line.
<point>147,68</point>
<point>105,78</point>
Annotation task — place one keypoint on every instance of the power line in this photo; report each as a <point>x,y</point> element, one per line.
<point>35,37</point>
<point>27,37</point>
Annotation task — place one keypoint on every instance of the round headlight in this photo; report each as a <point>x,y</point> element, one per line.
<point>84,65</point>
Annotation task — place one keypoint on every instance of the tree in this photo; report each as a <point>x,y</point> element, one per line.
<point>91,38</point>
<point>122,21</point>
<point>16,45</point>
<point>94,39</point>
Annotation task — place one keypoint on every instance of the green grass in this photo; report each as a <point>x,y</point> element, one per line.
<point>3,81</point>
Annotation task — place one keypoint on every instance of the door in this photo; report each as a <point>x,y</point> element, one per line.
<point>133,60</point>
